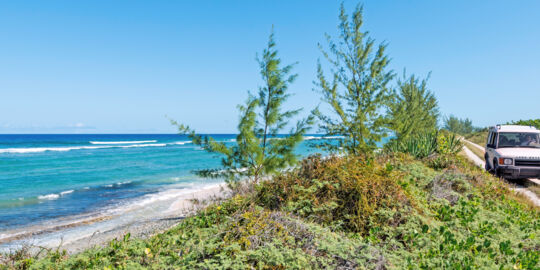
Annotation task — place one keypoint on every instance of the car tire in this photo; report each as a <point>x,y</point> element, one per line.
<point>486,166</point>
<point>496,168</point>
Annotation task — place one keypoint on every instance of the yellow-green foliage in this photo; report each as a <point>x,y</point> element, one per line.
<point>390,211</point>
<point>342,192</point>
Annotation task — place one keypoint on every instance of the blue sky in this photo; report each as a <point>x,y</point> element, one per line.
<point>122,66</point>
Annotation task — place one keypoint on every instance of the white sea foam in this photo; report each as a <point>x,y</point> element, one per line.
<point>64,149</point>
<point>123,183</point>
<point>142,145</point>
<point>181,142</point>
<point>49,197</point>
<point>122,142</point>
<point>43,149</point>
<point>66,192</point>
<point>54,196</point>
<point>333,137</point>
<point>8,235</point>
<point>307,138</point>
<point>103,145</point>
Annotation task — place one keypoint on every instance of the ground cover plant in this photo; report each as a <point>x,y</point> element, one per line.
<point>388,211</point>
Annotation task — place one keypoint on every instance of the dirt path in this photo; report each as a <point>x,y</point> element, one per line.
<point>474,158</point>
<point>476,145</point>
<point>519,188</point>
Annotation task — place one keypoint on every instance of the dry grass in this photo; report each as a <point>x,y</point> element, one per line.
<point>474,149</point>
<point>479,137</point>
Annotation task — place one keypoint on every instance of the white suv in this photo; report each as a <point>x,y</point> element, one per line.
<point>513,152</point>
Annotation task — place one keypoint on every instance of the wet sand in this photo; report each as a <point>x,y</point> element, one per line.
<point>140,220</point>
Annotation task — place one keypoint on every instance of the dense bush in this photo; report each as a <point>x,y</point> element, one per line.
<point>426,145</point>
<point>343,192</point>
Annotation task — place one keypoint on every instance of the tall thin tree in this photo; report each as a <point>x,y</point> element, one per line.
<point>358,90</point>
<point>260,148</point>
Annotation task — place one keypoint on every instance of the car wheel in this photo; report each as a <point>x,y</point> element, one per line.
<point>486,166</point>
<point>496,168</point>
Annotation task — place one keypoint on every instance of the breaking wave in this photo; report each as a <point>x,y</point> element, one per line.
<point>54,196</point>
<point>122,142</point>
<point>308,138</point>
<point>64,149</point>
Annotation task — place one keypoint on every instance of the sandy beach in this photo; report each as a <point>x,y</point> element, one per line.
<point>141,218</point>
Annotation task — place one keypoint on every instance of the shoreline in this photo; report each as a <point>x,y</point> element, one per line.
<point>140,220</point>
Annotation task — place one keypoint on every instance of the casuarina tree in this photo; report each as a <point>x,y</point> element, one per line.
<point>356,90</point>
<point>413,109</point>
<point>266,142</point>
<point>458,125</point>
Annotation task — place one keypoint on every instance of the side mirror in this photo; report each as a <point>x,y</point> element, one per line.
<point>490,146</point>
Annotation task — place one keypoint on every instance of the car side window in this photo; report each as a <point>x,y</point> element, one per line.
<point>491,141</point>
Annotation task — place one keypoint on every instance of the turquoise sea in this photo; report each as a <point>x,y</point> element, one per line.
<point>47,177</point>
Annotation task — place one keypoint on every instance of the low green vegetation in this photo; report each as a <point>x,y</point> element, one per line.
<point>386,211</point>
<point>530,122</point>
<point>436,148</point>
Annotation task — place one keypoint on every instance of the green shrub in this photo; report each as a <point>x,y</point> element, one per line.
<point>342,192</point>
<point>426,145</point>
<point>530,122</point>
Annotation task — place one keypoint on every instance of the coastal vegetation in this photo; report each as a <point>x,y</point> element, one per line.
<point>357,89</point>
<point>459,125</point>
<point>414,109</point>
<point>415,204</point>
<point>390,211</point>
<point>259,150</point>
